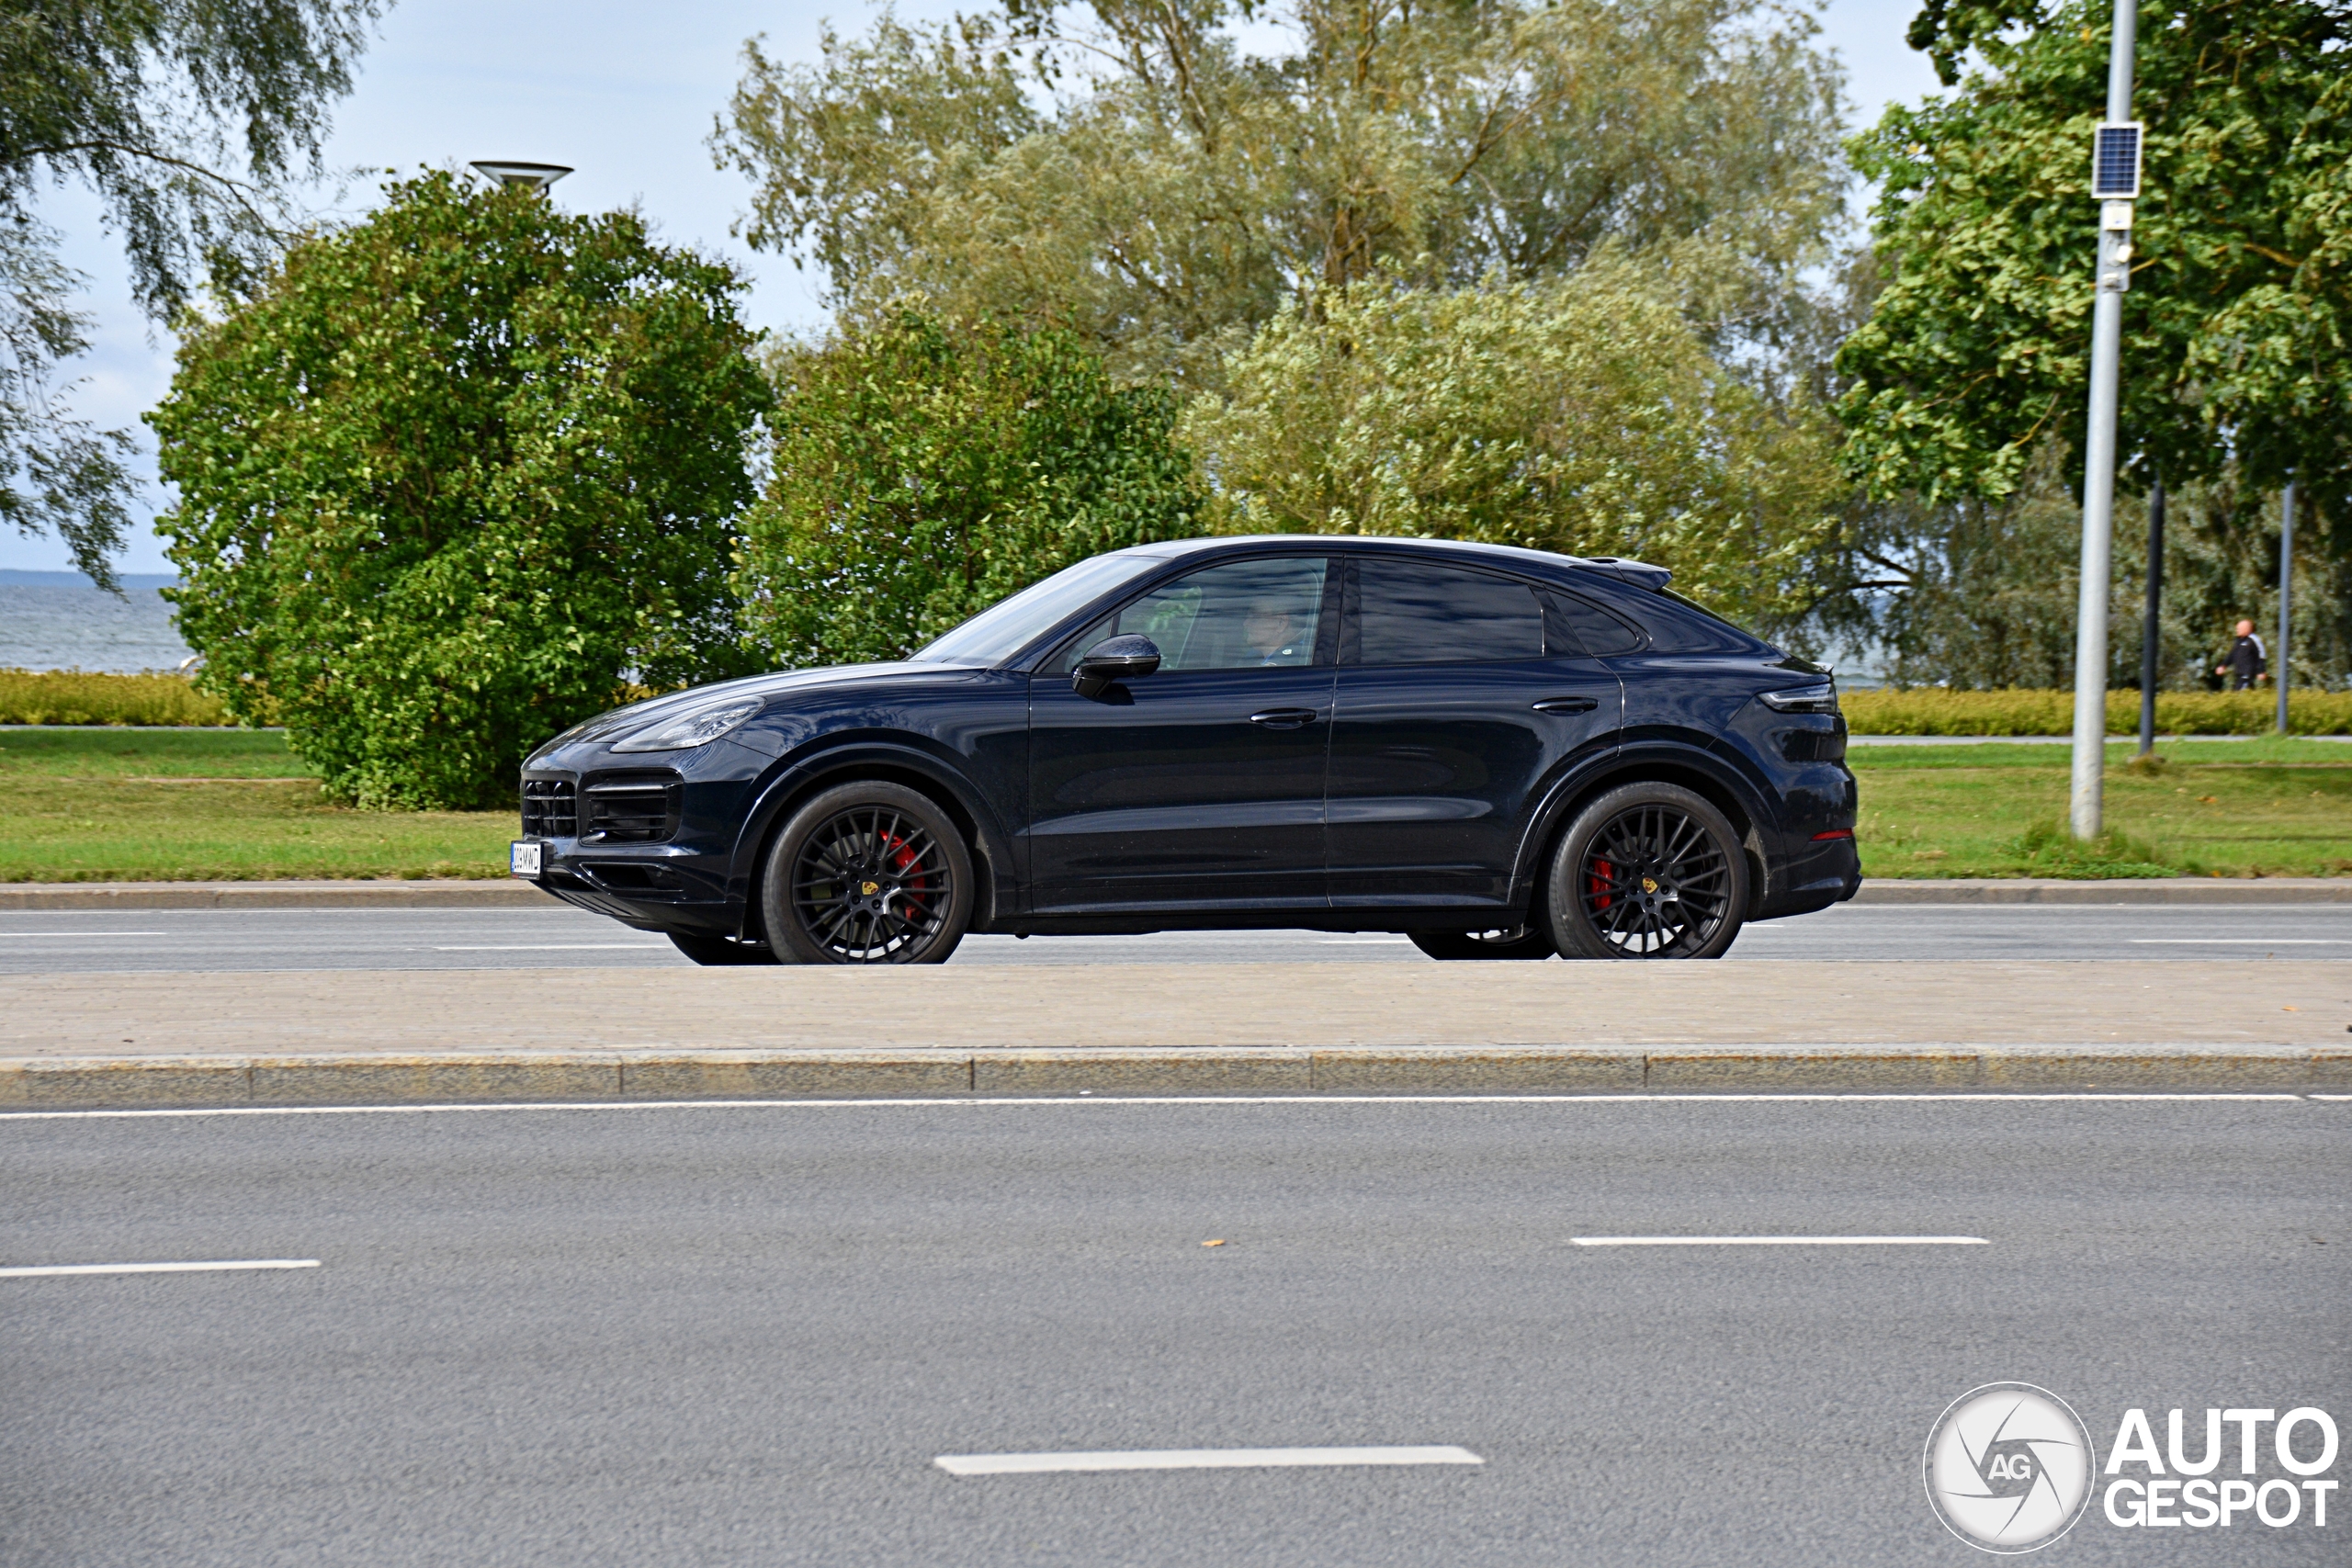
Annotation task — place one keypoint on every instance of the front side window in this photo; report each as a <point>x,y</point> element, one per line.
<point>1417,612</point>
<point>1006,628</point>
<point>1246,615</point>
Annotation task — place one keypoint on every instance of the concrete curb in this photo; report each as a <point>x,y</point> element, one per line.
<point>498,893</point>
<point>99,1082</point>
<point>2207,890</point>
<point>510,895</point>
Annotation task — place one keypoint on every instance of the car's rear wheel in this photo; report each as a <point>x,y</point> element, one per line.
<point>707,949</point>
<point>867,873</point>
<point>1648,871</point>
<point>1519,941</point>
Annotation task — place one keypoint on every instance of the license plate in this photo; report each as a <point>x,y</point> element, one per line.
<point>524,858</point>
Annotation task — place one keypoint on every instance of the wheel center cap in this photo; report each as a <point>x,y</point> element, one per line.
<point>1649,884</point>
<point>869,890</point>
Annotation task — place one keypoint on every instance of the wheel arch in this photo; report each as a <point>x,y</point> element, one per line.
<point>1700,772</point>
<point>983,836</point>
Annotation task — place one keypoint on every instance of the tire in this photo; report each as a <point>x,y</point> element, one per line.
<point>1648,871</point>
<point>707,949</point>
<point>1522,942</point>
<point>867,873</point>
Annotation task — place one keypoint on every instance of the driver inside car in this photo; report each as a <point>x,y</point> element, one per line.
<point>1273,633</point>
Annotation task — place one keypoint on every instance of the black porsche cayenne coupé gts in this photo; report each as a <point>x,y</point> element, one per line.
<point>1500,753</point>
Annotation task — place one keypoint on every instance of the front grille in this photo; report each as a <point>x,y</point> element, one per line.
<point>633,810</point>
<point>550,808</point>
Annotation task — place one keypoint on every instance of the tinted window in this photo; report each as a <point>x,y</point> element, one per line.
<point>1409,613</point>
<point>1593,628</point>
<point>1246,615</point>
<point>1005,627</point>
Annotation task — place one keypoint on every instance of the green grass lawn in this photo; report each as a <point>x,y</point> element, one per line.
<point>2228,808</point>
<point>194,804</point>
<point>140,805</point>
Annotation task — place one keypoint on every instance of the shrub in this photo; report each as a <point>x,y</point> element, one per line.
<point>1934,711</point>
<point>923,472</point>
<point>72,696</point>
<point>449,477</point>
<point>2047,849</point>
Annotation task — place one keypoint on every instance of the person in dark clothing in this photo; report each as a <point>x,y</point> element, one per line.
<point>2246,663</point>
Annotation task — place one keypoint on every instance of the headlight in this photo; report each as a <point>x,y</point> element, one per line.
<point>1802,699</point>
<point>692,727</point>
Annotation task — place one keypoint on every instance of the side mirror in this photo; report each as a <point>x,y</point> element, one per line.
<point>1113,659</point>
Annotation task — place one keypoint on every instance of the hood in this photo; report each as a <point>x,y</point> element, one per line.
<point>636,716</point>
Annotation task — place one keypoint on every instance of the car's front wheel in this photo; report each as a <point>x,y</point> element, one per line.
<point>1648,871</point>
<point>867,873</point>
<point>1519,941</point>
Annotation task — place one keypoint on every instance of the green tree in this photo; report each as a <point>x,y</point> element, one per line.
<point>450,476</point>
<point>1178,188</point>
<point>922,473</point>
<point>2237,348</point>
<point>185,119</point>
<point>1581,416</point>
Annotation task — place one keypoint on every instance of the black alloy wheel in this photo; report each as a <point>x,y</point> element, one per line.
<point>710,950</point>
<point>869,873</point>
<point>1648,871</point>
<point>1518,941</point>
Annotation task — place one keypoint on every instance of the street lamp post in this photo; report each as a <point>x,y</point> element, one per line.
<point>2286,595</point>
<point>2151,631</point>
<point>2115,182</point>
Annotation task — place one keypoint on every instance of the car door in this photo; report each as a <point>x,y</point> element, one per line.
<point>1460,694</point>
<point>1201,785</point>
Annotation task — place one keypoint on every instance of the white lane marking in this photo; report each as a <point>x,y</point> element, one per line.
<point>1362,940</point>
<point>555,947</point>
<point>1779,1241</point>
<point>2241,942</point>
<point>49,1270</point>
<point>2332,1097</point>
<point>1196,1459</point>
<point>83,933</point>
<point>1030,1101</point>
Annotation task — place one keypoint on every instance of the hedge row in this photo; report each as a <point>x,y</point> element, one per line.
<point>71,696</point>
<point>1933,711</point>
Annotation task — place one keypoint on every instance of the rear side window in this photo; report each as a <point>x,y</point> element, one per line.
<point>1417,613</point>
<point>1587,626</point>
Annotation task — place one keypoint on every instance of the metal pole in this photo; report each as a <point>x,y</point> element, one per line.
<point>2098,468</point>
<point>2286,596</point>
<point>2152,629</point>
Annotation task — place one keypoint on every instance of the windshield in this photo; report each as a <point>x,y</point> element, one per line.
<point>1008,626</point>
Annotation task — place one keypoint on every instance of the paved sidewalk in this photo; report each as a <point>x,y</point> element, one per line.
<point>2276,1002</point>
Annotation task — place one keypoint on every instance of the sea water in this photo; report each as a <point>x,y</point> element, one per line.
<point>56,620</point>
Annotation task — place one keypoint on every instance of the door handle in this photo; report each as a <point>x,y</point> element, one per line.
<point>1284,718</point>
<point>1567,704</point>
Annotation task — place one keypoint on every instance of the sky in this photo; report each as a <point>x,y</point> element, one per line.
<point>625,92</point>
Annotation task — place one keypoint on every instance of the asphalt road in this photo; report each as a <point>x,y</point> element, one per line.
<point>743,1335</point>
<point>49,941</point>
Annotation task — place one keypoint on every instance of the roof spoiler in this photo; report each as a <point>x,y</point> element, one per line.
<point>1641,574</point>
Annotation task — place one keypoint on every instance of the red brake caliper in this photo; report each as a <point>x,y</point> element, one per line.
<point>1597,881</point>
<point>901,856</point>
